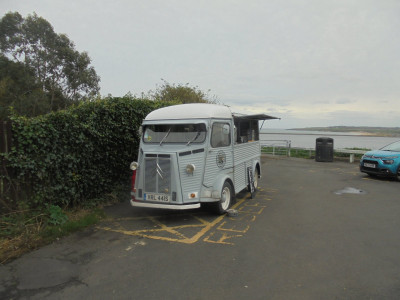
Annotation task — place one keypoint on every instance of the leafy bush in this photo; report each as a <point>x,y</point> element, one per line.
<point>71,157</point>
<point>56,215</point>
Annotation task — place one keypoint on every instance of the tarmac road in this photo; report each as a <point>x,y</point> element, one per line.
<point>314,231</point>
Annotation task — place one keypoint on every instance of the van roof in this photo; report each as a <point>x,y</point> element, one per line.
<point>200,111</point>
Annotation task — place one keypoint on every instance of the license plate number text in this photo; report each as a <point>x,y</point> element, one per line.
<point>157,197</point>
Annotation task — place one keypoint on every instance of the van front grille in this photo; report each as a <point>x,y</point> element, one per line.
<point>157,178</point>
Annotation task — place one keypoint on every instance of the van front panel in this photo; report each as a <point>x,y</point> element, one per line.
<point>191,183</point>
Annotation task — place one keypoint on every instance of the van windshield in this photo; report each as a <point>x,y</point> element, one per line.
<point>175,133</point>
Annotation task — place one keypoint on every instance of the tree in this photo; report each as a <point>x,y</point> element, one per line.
<point>63,73</point>
<point>181,93</point>
<point>20,90</point>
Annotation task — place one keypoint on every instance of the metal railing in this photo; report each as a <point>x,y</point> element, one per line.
<point>276,147</point>
<point>284,147</point>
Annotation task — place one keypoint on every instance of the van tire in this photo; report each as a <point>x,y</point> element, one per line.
<point>227,199</point>
<point>256,178</point>
<point>256,181</point>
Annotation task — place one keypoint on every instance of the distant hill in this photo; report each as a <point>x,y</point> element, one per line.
<point>377,131</point>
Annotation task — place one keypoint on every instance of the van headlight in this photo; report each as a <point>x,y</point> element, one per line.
<point>134,165</point>
<point>190,168</point>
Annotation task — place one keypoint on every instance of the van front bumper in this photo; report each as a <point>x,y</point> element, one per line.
<point>165,206</point>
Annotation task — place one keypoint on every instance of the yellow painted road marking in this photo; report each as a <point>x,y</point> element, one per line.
<point>222,238</point>
<point>227,230</point>
<point>234,227</point>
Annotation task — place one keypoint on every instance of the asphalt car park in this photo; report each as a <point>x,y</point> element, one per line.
<point>313,231</point>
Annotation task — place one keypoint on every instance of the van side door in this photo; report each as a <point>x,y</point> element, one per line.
<point>219,161</point>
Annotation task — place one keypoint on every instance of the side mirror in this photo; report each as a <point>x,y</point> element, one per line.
<point>225,129</point>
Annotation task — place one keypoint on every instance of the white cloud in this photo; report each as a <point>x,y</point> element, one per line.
<point>309,61</point>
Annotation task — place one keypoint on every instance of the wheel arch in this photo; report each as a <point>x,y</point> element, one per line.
<point>220,183</point>
<point>258,167</point>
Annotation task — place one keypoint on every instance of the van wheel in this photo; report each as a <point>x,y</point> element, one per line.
<point>256,179</point>
<point>227,199</point>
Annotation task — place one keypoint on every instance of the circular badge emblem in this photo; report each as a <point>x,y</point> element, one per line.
<point>221,159</point>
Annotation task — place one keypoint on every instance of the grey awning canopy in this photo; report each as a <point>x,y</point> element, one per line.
<point>254,117</point>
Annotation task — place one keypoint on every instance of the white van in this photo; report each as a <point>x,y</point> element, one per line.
<point>196,153</point>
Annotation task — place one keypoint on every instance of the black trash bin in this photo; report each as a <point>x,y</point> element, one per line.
<point>324,149</point>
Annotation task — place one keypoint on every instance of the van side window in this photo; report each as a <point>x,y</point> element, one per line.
<point>247,131</point>
<point>220,135</point>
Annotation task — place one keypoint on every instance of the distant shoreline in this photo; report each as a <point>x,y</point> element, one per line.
<point>316,132</point>
<point>307,138</point>
<point>366,131</point>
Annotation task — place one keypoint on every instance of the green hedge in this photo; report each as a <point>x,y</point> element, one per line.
<point>73,156</point>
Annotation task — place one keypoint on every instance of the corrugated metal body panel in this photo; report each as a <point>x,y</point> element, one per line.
<point>191,183</point>
<point>240,177</point>
<point>212,169</point>
<point>140,171</point>
<point>247,151</point>
<point>245,155</point>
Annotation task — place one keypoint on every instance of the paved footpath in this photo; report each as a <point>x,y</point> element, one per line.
<point>314,231</point>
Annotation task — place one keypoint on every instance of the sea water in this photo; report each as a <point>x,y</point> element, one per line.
<point>341,140</point>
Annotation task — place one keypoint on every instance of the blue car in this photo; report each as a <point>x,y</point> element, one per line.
<point>383,162</point>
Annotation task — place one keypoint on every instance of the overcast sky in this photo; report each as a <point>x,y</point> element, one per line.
<point>309,62</point>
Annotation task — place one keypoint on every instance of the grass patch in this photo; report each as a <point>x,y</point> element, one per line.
<point>355,148</point>
<point>82,220</point>
<point>294,152</point>
<point>346,155</point>
<point>304,153</point>
<point>356,155</point>
<point>26,230</point>
<point>274,150</point>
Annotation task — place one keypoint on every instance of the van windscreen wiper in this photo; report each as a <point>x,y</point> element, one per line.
<point>162,141</point>
<point>195,138</point>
